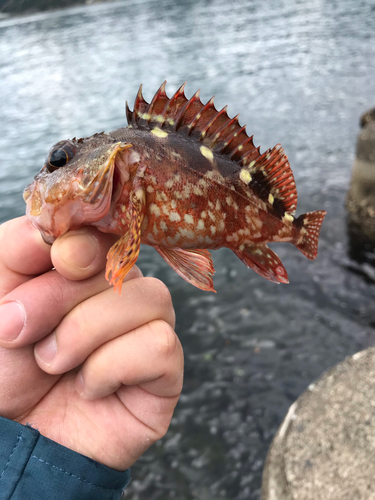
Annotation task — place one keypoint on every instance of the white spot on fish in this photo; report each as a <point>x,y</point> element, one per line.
<point>229,200</point>
<point>186,191</point>
<point>173,204</point>
<point>163,225</point>
<point>174,217</point>
<point>221,225</point>
<point>288,217</point>
<point>207,153</point>
<point>139,194</point>
<point>144,116</point>
<point>212,216</point>
<point>154,209</point>
<point>213,229</point>
<point>159,133</point>
<point>150,189</point>
<point>245,176</point>
<point>187,232</point>
<point>189,219</point>
<point>200,224</point>
<point>203,214</point>
<point>218,205</point>
<point>270,198</point>
<point>134,156</point>
<point>197,191</point>
<point>169,183</point>
<point>165,210</point>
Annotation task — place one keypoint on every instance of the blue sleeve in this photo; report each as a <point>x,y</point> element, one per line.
<point>33,467</point>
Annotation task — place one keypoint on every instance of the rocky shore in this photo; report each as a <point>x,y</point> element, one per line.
<point>17,7</point>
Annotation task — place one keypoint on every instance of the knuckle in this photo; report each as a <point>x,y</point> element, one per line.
<point>160,291</point>
<point>55,283</point>
<point>165,338</point>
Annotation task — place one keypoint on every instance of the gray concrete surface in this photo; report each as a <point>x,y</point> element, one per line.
<point>325,447</point>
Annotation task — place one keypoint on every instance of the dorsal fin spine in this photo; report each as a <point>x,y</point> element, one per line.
<point>196,118</point>
<point>224,127</point>
<point>240,146</point>
<point>213,119</point>
<point>179,93</point>
<point>231,137</point>
<point>185,108</point>
<point>129,114</point>
<point>159,93</point>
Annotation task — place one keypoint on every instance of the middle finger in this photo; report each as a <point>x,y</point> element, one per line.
<point>102,318</point>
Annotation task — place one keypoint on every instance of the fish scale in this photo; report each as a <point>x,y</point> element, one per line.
<point>184,178</point>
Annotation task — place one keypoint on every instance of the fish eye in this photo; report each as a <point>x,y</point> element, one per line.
<point>59,156</point>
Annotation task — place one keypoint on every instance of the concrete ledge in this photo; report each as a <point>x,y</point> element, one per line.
<point>325,447</point>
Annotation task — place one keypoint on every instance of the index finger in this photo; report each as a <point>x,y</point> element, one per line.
<point>23,254</point>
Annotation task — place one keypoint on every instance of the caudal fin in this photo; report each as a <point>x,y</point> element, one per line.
<point>308,236</point>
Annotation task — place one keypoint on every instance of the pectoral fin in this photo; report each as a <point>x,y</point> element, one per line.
<point>195,266</point>
<point>263,261</point>
<point>124,253</point>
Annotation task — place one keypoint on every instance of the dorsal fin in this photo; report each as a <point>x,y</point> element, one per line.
<point>223,135</point>
<point>273,166</point>
<point>191,117</point>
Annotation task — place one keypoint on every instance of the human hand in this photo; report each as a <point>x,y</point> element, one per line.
<point>95,372</point>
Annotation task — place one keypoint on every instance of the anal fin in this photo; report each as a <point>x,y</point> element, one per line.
<point>263,261</point>
<point>195,266</point>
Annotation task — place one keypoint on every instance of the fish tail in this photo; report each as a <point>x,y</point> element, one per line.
<point>308,227</point>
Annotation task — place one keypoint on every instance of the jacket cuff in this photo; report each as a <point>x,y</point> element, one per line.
<point>34,467</point>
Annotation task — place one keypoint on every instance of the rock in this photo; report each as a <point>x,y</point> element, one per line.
<point>361,196</point>
<point>325,447</point>
<point>367,117</point>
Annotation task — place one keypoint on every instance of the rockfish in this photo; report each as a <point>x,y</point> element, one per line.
<point>182,177</point>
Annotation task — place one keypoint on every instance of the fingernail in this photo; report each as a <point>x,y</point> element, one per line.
<point>12,320</point>
<point>46,349</point>
<point>79,252</point>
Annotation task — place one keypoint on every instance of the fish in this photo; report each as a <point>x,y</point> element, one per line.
<point>182,177</point>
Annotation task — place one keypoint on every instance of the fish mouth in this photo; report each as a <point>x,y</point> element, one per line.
<point>71,202</point>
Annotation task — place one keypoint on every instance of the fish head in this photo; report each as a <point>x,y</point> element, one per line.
<point>77,185</point>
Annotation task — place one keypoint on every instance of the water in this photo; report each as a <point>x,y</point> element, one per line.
<point>301,73</point>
